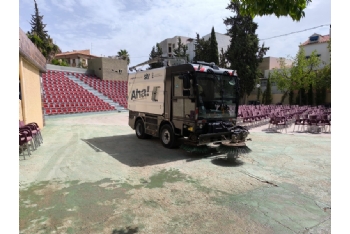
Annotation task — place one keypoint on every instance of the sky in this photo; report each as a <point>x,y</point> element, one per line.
<point>108,26</point>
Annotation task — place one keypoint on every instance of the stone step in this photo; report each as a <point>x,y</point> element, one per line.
<point>116,105</point>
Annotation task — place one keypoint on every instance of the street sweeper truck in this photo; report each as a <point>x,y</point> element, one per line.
<point>192,105</point>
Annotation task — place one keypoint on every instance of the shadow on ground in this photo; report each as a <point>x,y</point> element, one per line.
<point>224,162</point>
<point>134,152</point>
<point>127,230</point>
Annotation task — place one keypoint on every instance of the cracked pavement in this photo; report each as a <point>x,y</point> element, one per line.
<point>93,175</point>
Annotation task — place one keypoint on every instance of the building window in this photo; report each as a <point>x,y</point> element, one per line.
<point>314,38</point>
<point>120,71</point>
<point>169,48</point>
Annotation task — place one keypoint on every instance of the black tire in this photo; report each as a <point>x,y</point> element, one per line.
<point>140,130</point>
<point>167,136</point>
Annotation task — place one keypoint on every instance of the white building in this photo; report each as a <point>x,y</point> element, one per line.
<point>170,44</point>
<point>320,44</point>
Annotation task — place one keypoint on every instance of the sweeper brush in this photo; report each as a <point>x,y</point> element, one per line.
<point>234,149</point>
<point>224,147</point>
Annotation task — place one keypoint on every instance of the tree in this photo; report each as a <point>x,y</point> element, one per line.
<point>223,59</point>
<point>213,49</point>
<point>40,38</point>
<point>180,50</point>
<point>59,62</point>
<point>201,48</point>
<point>291,97</point>
<point>156,52</point>
<point>268,93</point>
<point>293,9</point>
<point>299,76</point>
<point>123,54</point>
<point>37,25</point>
<point>244,53</point>
<point>310,96</point>
<point>323,79</point>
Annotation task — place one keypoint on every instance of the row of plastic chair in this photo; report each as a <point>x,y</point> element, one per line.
<point>30,137</point>
<point>313,123</point>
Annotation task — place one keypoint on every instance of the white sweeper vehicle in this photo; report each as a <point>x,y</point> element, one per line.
<point>191,105</point>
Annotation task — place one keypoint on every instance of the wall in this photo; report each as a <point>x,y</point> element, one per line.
<point>114,69</point>
<point>20,115</point>
<point>270,63</point>
<point>96,66</point>
<point>30,52</point>
<point>108,68</point>
<point>173,41</point>
<point>321,48</point>
<point>31,92</point>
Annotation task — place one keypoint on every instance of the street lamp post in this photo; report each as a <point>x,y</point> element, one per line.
<point>258,93</point>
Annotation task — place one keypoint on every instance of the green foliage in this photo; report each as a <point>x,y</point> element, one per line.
<point>244,53</point>
<point>40,38</point>
<point>223,59</point>
<point>208,50</point>
<point>59,62</point>
<point>299,75</point>
<point>123,54</point>
<point>181,49</point>
<point>201,48</point>
<point>213,48</point>
<point>156,52</point>
<point>323,79</point>
<point>293,9</point>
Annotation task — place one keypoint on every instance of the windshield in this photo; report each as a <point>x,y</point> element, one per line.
<point>216,96</point>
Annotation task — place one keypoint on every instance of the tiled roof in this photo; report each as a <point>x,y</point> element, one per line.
<point>321,39</point>
<point>77,52</point>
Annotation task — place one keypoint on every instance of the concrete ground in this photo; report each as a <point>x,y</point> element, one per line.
<point>93,175</point>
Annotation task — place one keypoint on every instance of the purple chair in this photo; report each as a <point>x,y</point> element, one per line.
<point>34,127</point>
<point>26,139</point>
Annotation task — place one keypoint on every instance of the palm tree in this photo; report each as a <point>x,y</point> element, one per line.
<point>123,54</point>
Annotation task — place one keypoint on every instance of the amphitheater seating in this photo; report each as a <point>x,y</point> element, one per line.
<point>61,95</point>
<point>115,90</point>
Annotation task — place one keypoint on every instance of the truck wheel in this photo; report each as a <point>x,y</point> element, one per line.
<point>167,136</point>
<point>140,130</point>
